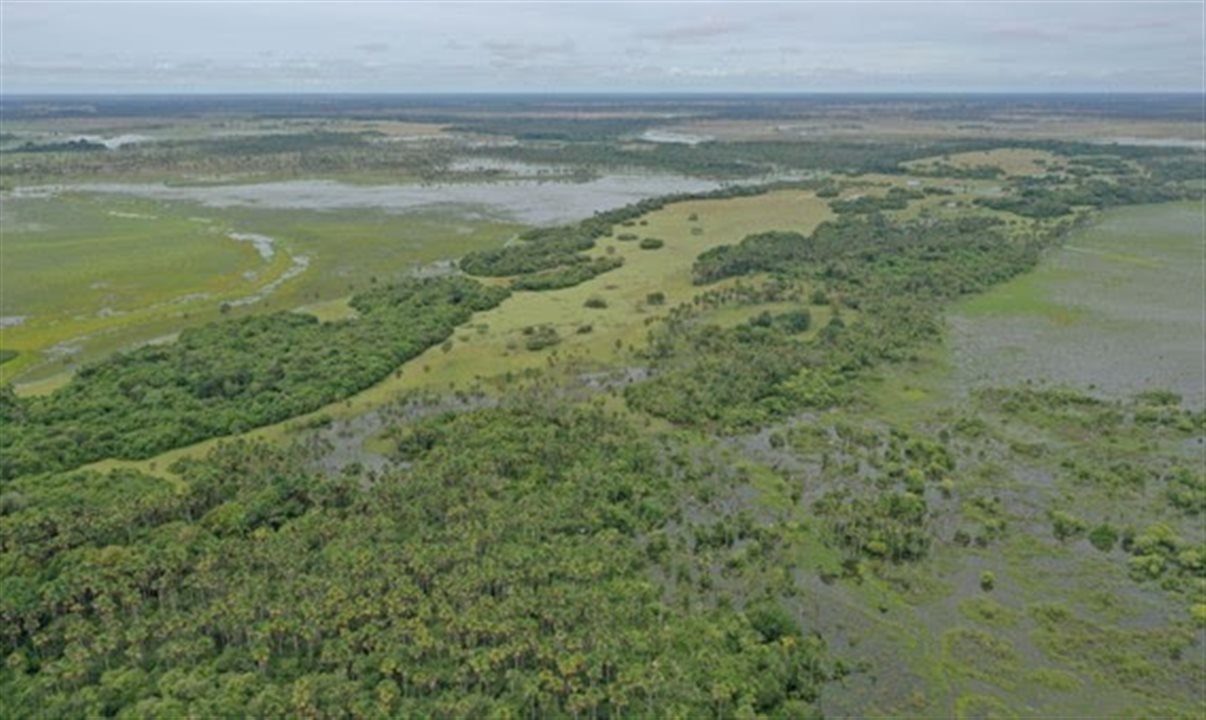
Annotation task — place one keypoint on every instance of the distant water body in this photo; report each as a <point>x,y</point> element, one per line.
<point>528,201</point>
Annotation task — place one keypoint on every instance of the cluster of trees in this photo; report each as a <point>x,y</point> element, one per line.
<point>733,160</point>
<point>1039,199</point>
<point>1099,474</point>
<point>891,526</point>
<point>68,146</point>
<point>567,275</point>
<point>554,257</point>
<point>960,172</point>
<point>878,510</point>
<point>507,572</point>
<point>896,198</point>
<point>279,154</point>
<point>230,376</point>
<point>895,276</point>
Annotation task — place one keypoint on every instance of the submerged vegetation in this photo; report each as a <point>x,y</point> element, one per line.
<point>706,454</point>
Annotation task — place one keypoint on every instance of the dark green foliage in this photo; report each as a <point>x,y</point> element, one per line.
<point>540,250</point>
<point>1103,537</point>
<point>655,298</point>
<point>230,376</point>
<point>6,355</point>
<point>896,273</point>
<point>892,526</point>
<point>651,243</point>
<point>278,143</point>
<point>596,303</point>
<point>829,190</point>
<point>947,170</point>
<point>988,581</point>
<point>895,199</point>
<point>740,159</point>
<point>755,253</point>
<point>566,276</point>
<point>794,321</point>
<point>543,249</point>
<point>773,621</point>
<point>1041,202</point>
<point>69,146</point>
<point>504,574</point>
<point>741,377</point>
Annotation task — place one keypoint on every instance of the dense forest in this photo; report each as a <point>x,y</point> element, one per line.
<point>505,573</point>
<point>230,376</point>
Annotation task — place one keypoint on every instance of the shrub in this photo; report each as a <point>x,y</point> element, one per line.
<point>595,302</point>
<point>988,581</point>
<point>1103,537</point>
<point>655,298</point>
<point>773,622</point>
<point>1066,526</point>
<point>651,243</point>
<point>540,337</point>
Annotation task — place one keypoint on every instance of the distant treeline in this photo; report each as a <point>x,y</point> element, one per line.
<point>553,257</point>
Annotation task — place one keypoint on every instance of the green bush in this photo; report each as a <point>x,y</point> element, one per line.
<point>1103,537</point>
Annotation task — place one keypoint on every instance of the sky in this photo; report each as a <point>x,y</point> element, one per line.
<point>901,46</point>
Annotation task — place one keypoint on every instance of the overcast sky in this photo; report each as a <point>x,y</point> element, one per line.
<point>648,46</point>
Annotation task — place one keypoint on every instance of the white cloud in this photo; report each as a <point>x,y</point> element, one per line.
<point>415,47</point>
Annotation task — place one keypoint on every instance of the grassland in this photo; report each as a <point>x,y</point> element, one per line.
<point>491,345</point>
<point>89,274</point>
<point>1013,161</point>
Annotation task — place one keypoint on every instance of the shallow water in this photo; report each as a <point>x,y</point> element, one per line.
<point>674,138</point>
<point>1118,310</point>
<point>528,201</point>
<point>262,243</point>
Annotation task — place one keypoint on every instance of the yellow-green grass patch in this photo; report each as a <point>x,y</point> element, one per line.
<point>1014,161</point>
<point>491,344</point>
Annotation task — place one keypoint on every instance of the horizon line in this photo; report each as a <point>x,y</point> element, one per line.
<point>596,93</point>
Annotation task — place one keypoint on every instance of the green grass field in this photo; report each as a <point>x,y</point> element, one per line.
<point>90,274</point>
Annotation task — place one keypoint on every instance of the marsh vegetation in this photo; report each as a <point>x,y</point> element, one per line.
<point>897,425</point>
